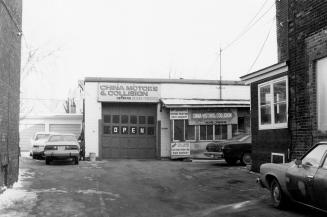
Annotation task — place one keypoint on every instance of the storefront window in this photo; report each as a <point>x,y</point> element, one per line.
<point>183,131</point>
<point>220,132</point>
<point>273,104</point>
<point>206,132</point>
<point>190,131</point>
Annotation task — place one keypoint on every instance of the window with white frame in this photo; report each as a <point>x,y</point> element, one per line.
<point>183,131</point>
<point>273,104</point>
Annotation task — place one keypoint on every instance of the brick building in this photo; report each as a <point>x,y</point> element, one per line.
<point>10,54</point>
<point>289,98</point>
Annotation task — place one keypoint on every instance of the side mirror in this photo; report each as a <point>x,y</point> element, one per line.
<point>298,162</point>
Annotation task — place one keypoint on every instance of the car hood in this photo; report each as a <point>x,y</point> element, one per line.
<point>62,143</point>
<point>275,168</point>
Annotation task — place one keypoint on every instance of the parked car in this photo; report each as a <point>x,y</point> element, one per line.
<point>303,180</point>
<point>62,146</point>
<point>230,151</point>
<point>38,143</point>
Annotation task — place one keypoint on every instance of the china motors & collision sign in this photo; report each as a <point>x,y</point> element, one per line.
<point>128,92</point>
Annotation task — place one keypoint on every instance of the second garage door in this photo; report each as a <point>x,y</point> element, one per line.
<point>66,128</point>
<point>129,131</point>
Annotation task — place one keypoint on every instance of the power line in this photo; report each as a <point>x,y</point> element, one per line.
<point>262,46</point>
<point>248,28</point>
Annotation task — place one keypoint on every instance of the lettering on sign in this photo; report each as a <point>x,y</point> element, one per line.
<point>133,130</point>
<point>142,130</point>
<point>115,129</point>
<point>128,92</point>
<point>180,149</point>
<point>124,130</point>
<point>178,114</point>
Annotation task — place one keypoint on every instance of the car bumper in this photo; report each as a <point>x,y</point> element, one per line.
<point>65,154</point>
<point>37,153</point>
<point>216,155</point>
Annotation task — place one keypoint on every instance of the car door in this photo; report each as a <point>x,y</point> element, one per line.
<point>320,186</point>
<point>300,179</point>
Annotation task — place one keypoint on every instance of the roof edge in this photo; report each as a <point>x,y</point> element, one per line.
<point>163,80</point>
<point>267,72</point>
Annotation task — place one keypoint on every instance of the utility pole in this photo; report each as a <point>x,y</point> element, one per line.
<point>220,88</point>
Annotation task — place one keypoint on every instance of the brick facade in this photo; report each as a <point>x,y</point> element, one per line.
<point>10,54</point>
<point>307,41</point>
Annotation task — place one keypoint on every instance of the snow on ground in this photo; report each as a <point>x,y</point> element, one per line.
<point>16,201</point>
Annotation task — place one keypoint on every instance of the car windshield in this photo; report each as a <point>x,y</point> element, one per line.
<point>67,138</point>
<point>314,157</point>
<point>41,136</point>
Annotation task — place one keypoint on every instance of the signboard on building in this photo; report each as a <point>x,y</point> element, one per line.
<point>213,116</point>
<point>178,114</point>
<point>128,92</point>
<point>180,149</point>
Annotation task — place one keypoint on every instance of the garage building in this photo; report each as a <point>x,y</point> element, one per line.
<point>162,118</point>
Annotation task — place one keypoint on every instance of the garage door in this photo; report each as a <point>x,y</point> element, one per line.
<point>26,133</point>
<point>66,128</point>
<point>129,131</point>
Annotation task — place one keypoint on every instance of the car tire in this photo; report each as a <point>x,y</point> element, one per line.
<point>33,156</point>
<point>76,160</point>
<point>231,161</point>
<point>47,160</point>
<point>246,159</point>
<point>278,198</point>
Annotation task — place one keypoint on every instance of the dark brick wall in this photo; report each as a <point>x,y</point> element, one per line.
<point>265,141</point>
<point>282,29</point>
<point>10,51</point>
<point>307,41</point>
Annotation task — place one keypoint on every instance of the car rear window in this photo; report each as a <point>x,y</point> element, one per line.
<point>67,138</point>
<point>41,136</point>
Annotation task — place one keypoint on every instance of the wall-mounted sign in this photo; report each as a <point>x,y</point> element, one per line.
<point>213,116</point>
<point>176,114</point>
<point>128,92</point>
<point>180,149</point>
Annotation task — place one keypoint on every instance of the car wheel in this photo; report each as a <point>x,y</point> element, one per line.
<point>246,159</point>
<point>33,156</point>
<point>76,160</point>
<point>231,161</point>
<point>277,196</point>
<point>47,160</point>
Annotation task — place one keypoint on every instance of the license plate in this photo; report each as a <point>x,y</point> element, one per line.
<point>61,148</point>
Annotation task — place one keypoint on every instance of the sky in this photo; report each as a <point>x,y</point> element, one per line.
<point>74,39</point>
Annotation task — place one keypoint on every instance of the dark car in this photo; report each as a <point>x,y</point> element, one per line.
<point>303,180</point>
<point>230,151</point>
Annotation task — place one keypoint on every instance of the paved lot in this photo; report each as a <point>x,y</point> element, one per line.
<point>126,188</point>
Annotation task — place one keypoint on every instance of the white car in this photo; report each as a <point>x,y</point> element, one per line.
<point>38,142</point>
<point>62,146</point>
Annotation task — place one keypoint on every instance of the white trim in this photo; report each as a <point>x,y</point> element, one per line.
<point>272,125</point>
<point>277,154</point>
<point>265,73</point>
